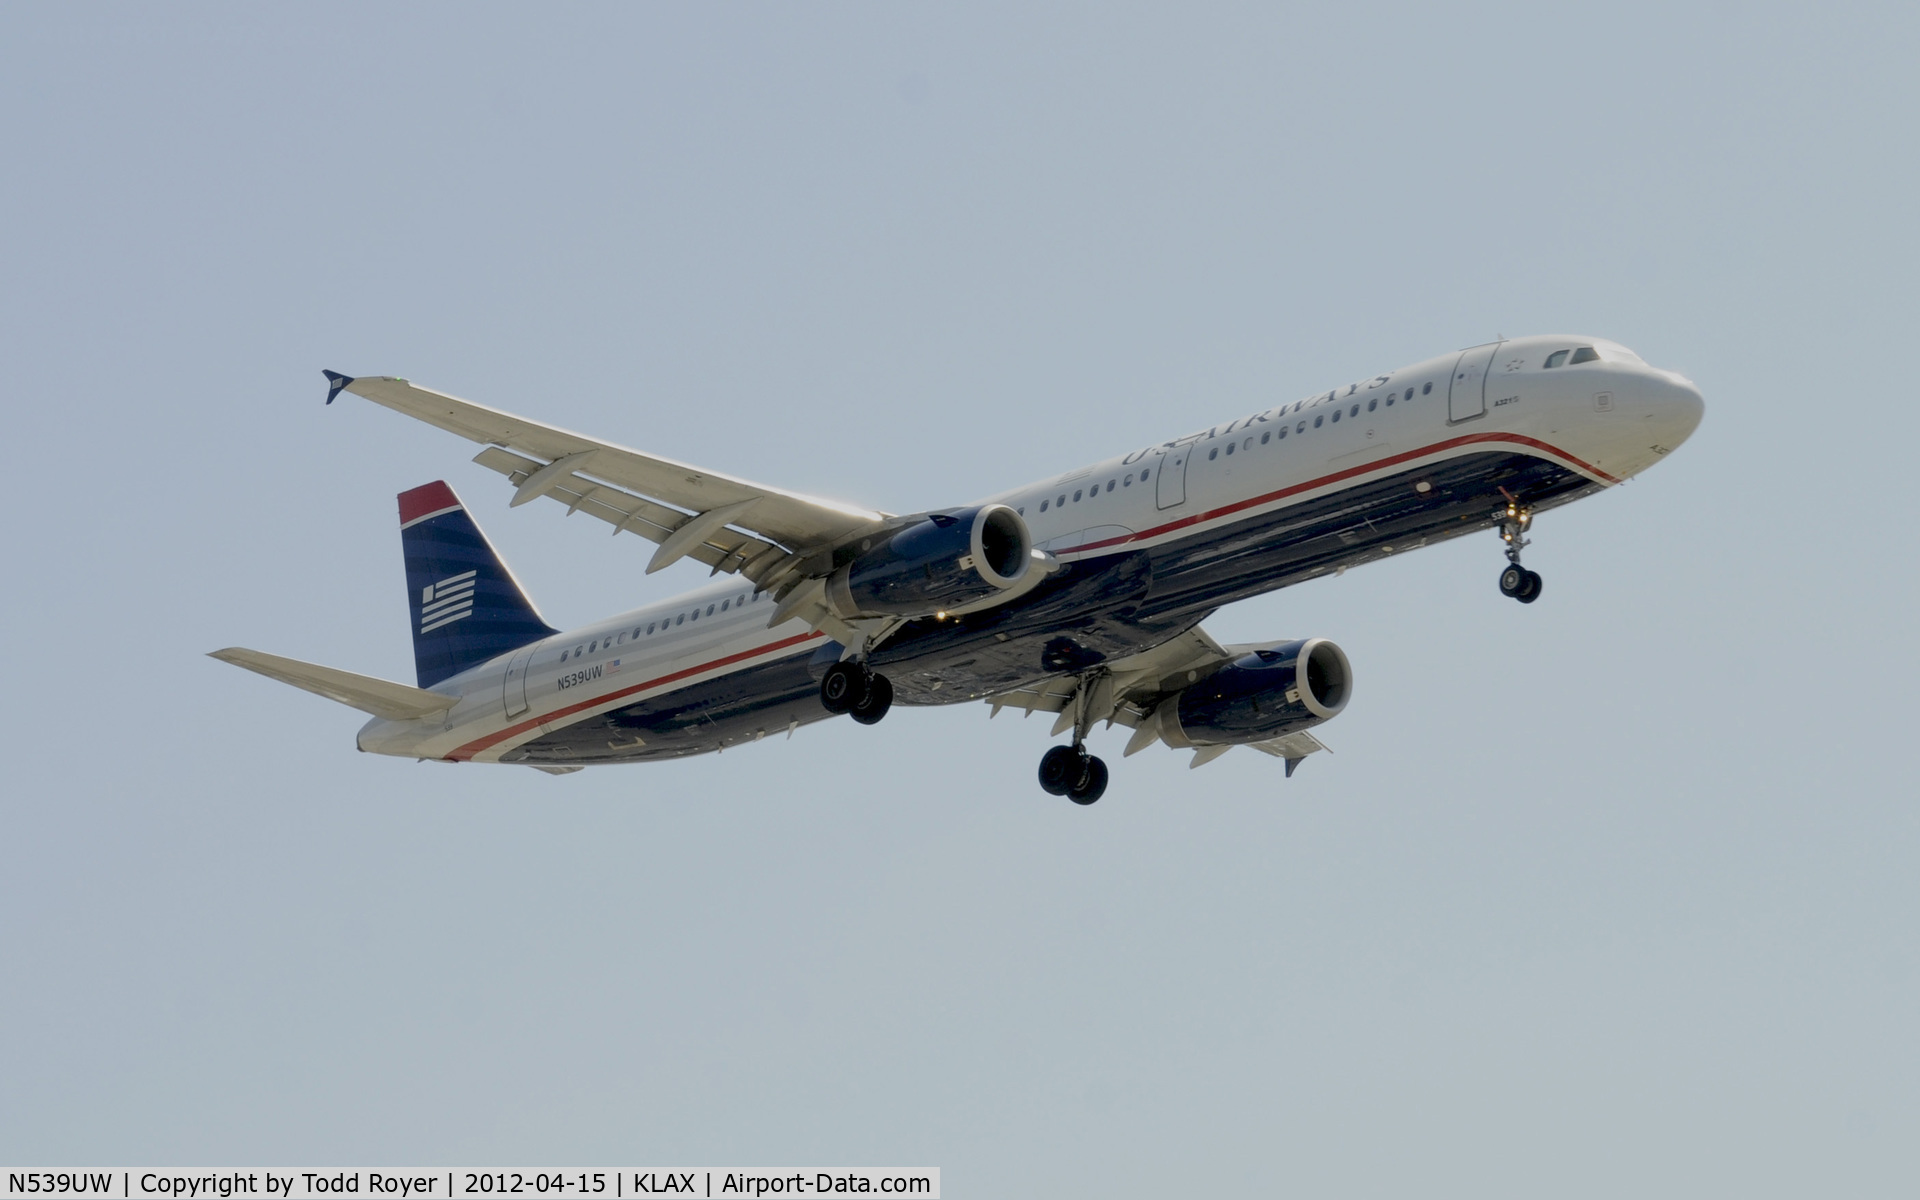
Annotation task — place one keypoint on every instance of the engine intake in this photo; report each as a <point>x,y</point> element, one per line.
<point>943,561</point>
<point>1273,691</point>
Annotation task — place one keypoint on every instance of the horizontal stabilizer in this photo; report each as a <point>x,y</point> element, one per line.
<point>382,698</point>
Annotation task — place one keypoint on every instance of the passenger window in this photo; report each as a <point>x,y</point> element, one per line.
<point>1557,357</point>
<point>709,610</point>
<point>649,628</point>
<point>1060,500</point>
<point>694,615</point>
<point>723,605</point>
<point>1302,428</point>
<point>1336,415</point>
<point>680,619</point>
<point>1389,399</point>
<point>1354,411</point>
<point>1247,445</point>
<point>1022,510</point>
<point>563,656</point>
<point>1586,354</point>
<point>1043,506</point>
<point>1372,404</point>
<point>622,639</point>
<point>579,650</point>
<point>1283,433</point>
<point>1265,437</point>
<point>1143,476</point>
<point>1213,454</point>
<point>1127,482</point>
<point>1319,420</point>
<point>1425,389</point>
<point>1110,484</point>
<point>1076,495</point>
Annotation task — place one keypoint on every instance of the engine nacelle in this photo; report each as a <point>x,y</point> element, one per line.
<point>941,562</point>
<point>1270,692</point>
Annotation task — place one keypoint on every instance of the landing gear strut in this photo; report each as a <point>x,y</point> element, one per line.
<point>1516,581</point>
<point>853,688</point>
<point>1069,770</point>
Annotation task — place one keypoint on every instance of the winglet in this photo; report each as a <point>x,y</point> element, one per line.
<point>336,383</point>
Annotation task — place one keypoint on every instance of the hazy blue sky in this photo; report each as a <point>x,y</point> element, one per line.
<point>1611,895</point>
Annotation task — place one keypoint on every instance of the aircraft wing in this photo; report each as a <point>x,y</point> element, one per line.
<point>730,524</point>
<point>1127,691</point>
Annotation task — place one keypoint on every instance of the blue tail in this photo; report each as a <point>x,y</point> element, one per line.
<point>466,606</point>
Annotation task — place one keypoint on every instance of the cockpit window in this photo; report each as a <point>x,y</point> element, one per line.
<point>1557,357</point>
<point>1586,354</point>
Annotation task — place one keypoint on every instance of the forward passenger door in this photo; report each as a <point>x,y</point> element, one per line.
<point>1467,391</point>
<point>1171,476</point>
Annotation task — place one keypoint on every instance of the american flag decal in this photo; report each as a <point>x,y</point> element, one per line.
<point>445,602</point>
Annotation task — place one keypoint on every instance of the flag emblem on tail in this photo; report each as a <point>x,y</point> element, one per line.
<point>447,601</point>
<point>467,607</point>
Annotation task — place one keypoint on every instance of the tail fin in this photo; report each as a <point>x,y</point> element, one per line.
<point>466,606</point>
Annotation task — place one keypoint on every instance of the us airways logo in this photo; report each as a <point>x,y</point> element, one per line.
<point>445,602</point>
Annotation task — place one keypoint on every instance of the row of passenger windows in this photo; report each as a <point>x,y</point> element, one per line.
<point>1117,481</point>
<point>1323,418</point>
<point>662,625</point>
<point>1268,436</point>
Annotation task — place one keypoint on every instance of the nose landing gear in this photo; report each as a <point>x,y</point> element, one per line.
<point>1516,581</point>
<point>1523,585</point>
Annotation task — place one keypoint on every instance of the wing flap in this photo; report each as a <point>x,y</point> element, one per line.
<point>1293,746</point>
<point>790,519</point>
<point>723,549</point>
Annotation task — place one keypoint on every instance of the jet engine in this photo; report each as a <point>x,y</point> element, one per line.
<point>940,562</point>
<point>1278,690</point>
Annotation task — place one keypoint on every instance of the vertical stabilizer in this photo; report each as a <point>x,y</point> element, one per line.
<point>466,606</point>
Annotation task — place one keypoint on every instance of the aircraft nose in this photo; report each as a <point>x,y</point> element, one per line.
<point>1680,409</point>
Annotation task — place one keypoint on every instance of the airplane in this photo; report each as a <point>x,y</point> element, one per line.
<point>1081,595</point>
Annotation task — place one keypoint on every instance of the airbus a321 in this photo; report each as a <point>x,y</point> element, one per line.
<point>1080,595</point>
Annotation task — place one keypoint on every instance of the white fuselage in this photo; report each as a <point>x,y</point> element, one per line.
<point>1606,419</point>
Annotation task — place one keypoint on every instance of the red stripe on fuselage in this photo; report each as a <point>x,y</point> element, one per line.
<point>474,747</point>
<point>1392,460</point>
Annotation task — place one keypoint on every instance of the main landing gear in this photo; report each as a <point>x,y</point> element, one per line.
<point>1071,772</point>
<point>1516,581</point>
<point>853,688</point>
